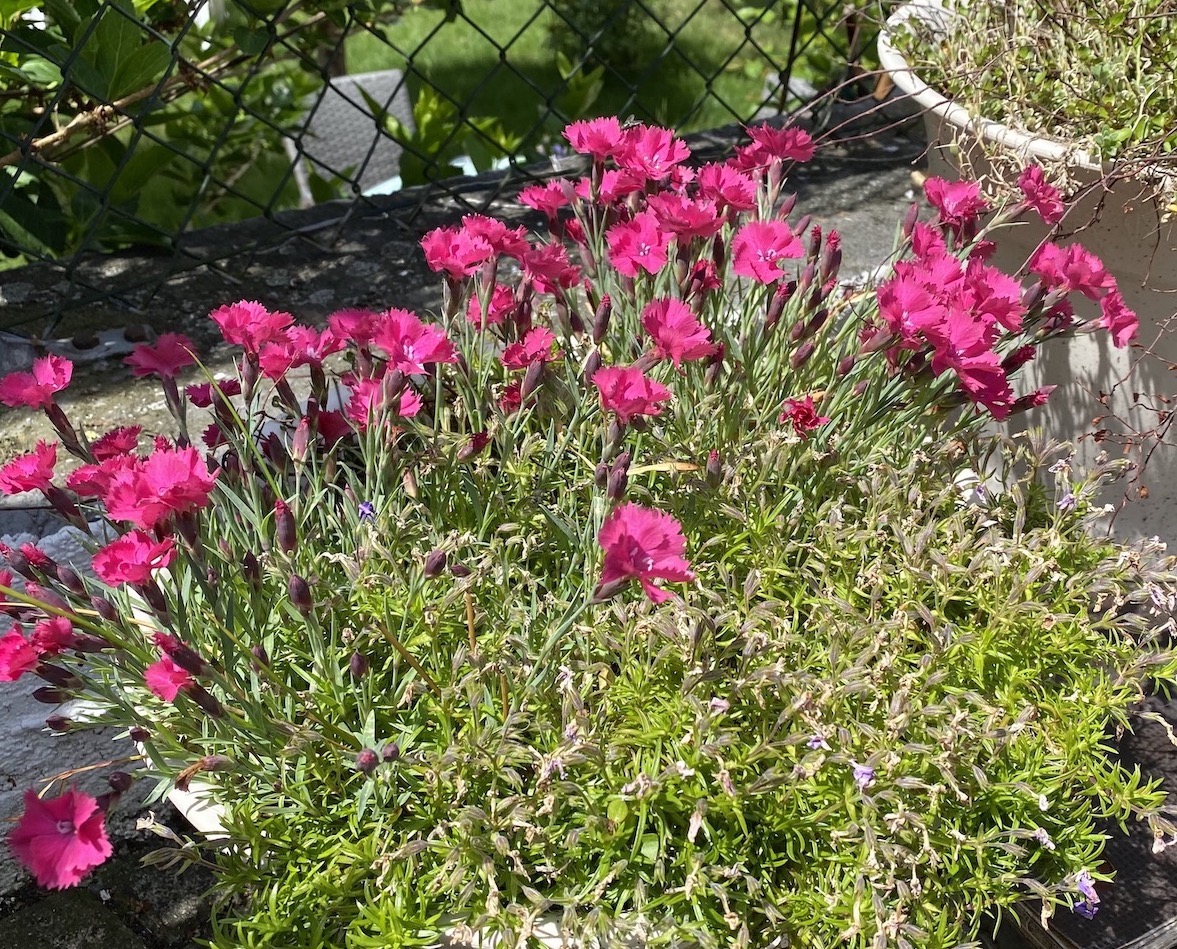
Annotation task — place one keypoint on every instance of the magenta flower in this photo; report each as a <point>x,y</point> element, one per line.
<point>1041,196</point>
<point>638,244</point>
<point>353,325</point>
<point>298,346</point>
<point>54,635</point>
<point>17,654</point>
<point>36,389</point>
<point>548,197</point>
<point>202,395</point>
<point>772,144</point>
<point>684,218</point>
<point>166,679</point>
<point>728,187</point>
<point>626,392</point>
<point>958,203</point>
<point>249,325</point>
<point>676,331</point>
<point>30,472</point>
<point>599,137</point>
<point>368,401</point>
<point>760,246</point>
<point>801,414</point>
<point>60,839</point>
<point>502,239</point>
<point>651,152</point>
<point>643,544</point>
<point>170,481</point>
<point>615,184</point>
<point>549,268</point>
<point>411,344</point>
<point>536,346</point>
<point>132,558</point>
<point>502,305</point>
<point>455,252</point>
<point>171,353</point>
<point>119,441</point>
<point>1073,269</point>
<point>1117,319</point>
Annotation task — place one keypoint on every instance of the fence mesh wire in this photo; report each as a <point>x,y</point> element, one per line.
<point>135,122</point>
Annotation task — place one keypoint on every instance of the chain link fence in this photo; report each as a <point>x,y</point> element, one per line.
<point>126,123</point>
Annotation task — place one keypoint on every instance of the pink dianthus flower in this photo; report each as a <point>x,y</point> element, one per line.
<point>643,544</point>
<point>61,839</point>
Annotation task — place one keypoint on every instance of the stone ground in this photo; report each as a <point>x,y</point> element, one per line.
<point>862,188</point>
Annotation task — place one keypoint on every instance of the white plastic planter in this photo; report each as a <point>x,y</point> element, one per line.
<point>1125,227</point>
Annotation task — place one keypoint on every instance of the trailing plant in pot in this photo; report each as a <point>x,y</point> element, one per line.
<point>1089,96</point>
<point>632,593</point>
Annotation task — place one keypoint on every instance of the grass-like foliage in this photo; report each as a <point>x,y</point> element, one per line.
<point>389,619</point>
<point>1100,79</point>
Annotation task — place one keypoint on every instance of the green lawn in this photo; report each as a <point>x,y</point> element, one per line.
<point>708,75</point>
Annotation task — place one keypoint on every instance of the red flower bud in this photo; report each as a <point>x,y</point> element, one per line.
<point>284,527</point>
<point>261,658</point>
<point>910,218</point>
<point>105,608</point>
<point>531,379</point>
<point>69,579</point>
<point>434,563</point>
<point>120,782</point>
<point>801,356</point>
<point>788,203</point>
<point>601,319</point>
<point>366,761</point>
<point>591,365</point>
<point>300,594</point>
<point>251,568</point>
<point>714,469</point>
<point>138,734</point>
<point>357,665</point>
<point>618,478</point>
<point>58,723</point>
<point>391,751</point>
<point>846,365</point>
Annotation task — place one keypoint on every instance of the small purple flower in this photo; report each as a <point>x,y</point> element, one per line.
<point>1043,839</point>
<point>367,511</point>
<point>1067,502</point>
<point>1086,909</point>
<point>818,740</point>
<point>864,776</point>
<point>1086,887</point>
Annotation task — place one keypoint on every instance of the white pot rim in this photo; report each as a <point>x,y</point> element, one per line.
<point>1023,143</point>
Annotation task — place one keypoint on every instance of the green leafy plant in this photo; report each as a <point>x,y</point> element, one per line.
<point>1099,80</point>
<point>635,596</point>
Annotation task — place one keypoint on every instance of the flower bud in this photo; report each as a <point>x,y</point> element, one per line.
<point>618,478</point>
<point>910,219</point>
<point>284,527</point>
<point>50,696</point>
<point>231,465</point>
<point>69,579</point>
<point>261,658</point>
<point>105,608</point>
<point>48,597</point>
<point>817,321</point>
<point>55,675</point>
<point>846,365</point>
<point>460,570</point>
<point>180,653</point>
<point>831,259</point>
<point>807,278</point>
<point>120,782</point>
<point>435,562</point>
<point>714,366</point>
<point>138,734</point>
<point>58,723</point>
<point>788,203</point>
<point>1018,358</point>
<point>591,365</point>
<point>803,224</point>
<point>367,760</point>
<point>531,379</point>
<point>301,442</point>
<point>216,763</point>
<point>601,319</point>
<point>300,594</point>
<point>391,751</point>
<point>275,451</point>
<point>801,356</point>
<point>714,469</point>
<point>606,591</point>
<point>813,248</point>
<point>860,388</point>
<point>357,665</point>
<point>601,476</point>
<point>776,305</point>
<point>204,700</point>
<point>392,385</point>
<point>251,569</point>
